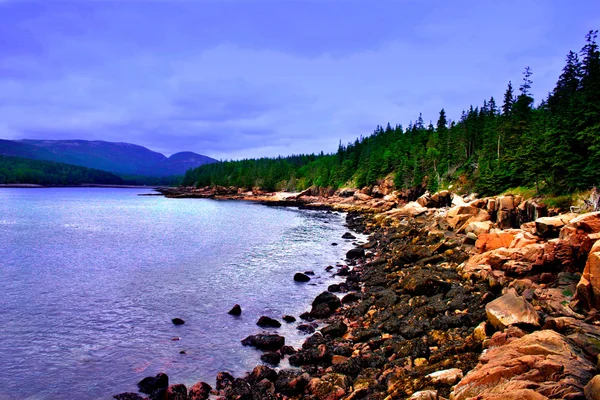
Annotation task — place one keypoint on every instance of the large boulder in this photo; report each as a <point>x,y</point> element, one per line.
<point>458,215</point>
<point>511,309</point>
<point>592,389</point>
<point>589,222</point>
<point>588,288</point>
<point>177,392</point>
<point>544,362</point>
<point>494,240</point>
<point>200,391</point>
<point>152,383</point>
<point>549,227</point>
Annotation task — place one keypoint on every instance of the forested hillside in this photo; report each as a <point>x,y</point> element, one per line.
<point>553,146</point>
<point>23,170</point>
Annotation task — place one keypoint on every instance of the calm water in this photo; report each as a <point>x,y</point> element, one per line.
<point>90,279</point>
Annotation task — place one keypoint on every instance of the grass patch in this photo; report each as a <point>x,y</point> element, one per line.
<point>567,293</point>
<point>523,191</point>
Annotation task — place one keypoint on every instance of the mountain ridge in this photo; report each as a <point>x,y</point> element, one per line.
<point>117,157</point>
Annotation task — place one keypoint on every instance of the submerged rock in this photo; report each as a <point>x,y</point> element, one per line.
<point>178,321</point>
<point>348,235</point>
<point>268,322</point>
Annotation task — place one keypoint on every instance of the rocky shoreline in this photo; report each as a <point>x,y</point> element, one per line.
<point>450,298</point>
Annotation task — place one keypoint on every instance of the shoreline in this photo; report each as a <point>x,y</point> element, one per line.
<point>33,186</point>
<point>443,294</point>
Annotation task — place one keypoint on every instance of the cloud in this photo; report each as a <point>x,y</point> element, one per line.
<point>244,79</point>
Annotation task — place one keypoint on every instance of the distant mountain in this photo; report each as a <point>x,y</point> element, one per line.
<point>121,158</point>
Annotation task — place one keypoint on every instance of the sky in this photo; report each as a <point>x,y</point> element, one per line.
<point>238,79</point>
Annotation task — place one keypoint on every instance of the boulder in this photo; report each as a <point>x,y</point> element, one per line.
<point>544,362</point>
<point>263,341</point>
<point>177,392</point>
<point>325,304</point>
<point>268,322</point>
<point>151,383</point>
<point>348,235</point>
<point>522,239</point>
<point>592,389</point>
<point>289,318</point>
<point>271,357</point>
<point>549,227</point>
<point>200,391</point>
<point>588,288</point>
<point>424,395</point>
<point>478,227</point>
<point>355,253</point>
<point>458,215</point>
<point>411,209</point>
<point>446,377</point>
<point>361,196</point>
<point>589,222</point>
<point>336,329</point>
<point>511,309</point>
<point>494,240</point>
<point>235,310</point>
<point>300,277</point>
<point>224,379</point>
<point>177,321</point>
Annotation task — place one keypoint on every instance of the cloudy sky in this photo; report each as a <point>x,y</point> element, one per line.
<point>248,78</point>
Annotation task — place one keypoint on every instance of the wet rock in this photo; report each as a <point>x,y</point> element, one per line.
<point>300,277</point>
<point>151,383</point>
<point>348,235</point>
<point>268,322</point>
<point>289,318</point>
<point>544,361</point>
<point>200,391</point>
<point>271,357</point>
<point>333,288</point>
<point>239,389</point>
<point>309,272</point>
<point>334,244</point>
<point>224,379</point>
<point>261,372</point>
<point>177,392</point>
<point>235,310</point>
<point>306,328</point>
<point>287,350</point>
<point>128,396</point>
<point>592,389</point>
<point>329,386</point>
<point>511,309</point>
<point>264,341</point>
<point>423,282</point>
<point>291,383</point>
<point>355,253</point>
<point>350,298</point>
<point>325,304</point>
<point>334,330</point>
<point>178,321</point>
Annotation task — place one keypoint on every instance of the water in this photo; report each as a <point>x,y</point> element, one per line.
<point>91,278</point>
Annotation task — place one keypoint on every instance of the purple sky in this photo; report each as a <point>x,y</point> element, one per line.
<point>245,78</point>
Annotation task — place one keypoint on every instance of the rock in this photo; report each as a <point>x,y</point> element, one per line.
<point>327,298</point>
<point>350,298</point>
<point>235,310</point>
<point>288,318</point>
<point>348,235</point>
<point>424,395</point>
<point>511,309</point>
<point>519,394</point>
<point>478,227</point>
<point>362,196</point>
<point>224,379</point>
<point>306,328</point>
<point>334,288</point>
<point>446,377</point>
<point>268,322</point>
<point>470,239</point>
<point>151,383</point>
<point>549,227</point>
<point>544,362</point>
<point>588,288</point>
<point>589,223</point>
<point>309,272</point>
<point>423,283</point>
<point>300,277</point>
<point>328,387</point>
<point>178,321</point>
<point>355,253</point>
<point>264,341</point>
<point>458,215</point>
<point>177,392</point>
<point>200,391</point>
<point>261,372</point>
<point>494,240</point>
<point>334,244</point>
<point>336,329</point>
<point>411,209</point>
<point>128,396</point>
<point>592,389</point>
<point>271,357</point>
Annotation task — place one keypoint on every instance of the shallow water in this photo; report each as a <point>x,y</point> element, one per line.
<point>91,278</point>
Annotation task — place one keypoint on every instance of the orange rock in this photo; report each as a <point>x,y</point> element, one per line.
<point>588,288</point>
<point>589,222</point>
<point>544,362</point>
<point>522,239</point>
<point>494,240</point>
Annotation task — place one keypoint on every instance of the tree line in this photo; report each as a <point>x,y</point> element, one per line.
<point>553,146</point>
